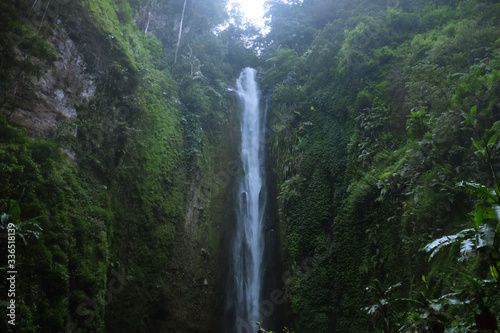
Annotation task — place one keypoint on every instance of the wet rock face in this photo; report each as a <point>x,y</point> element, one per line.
<point>58,90</point>
<point>70,81</point>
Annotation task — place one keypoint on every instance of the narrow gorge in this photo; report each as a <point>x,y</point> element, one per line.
<point>168,166</point>
<point>253,258</point>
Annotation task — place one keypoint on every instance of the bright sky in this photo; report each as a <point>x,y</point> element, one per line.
<point>252,9</point>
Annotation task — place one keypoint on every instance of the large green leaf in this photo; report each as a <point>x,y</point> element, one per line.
<point>15,211</point>
<point>480,191</point>
<point>486,235</point>
<point>438,244</point>
<point>493,140</point>
<point>477,144</point>
<point>494,272</point>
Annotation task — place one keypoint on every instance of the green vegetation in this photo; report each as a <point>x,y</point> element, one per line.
<point>62,234</point>
<point>23,55</point>
<point>372,120</point>
<point>385,122</point>
<point>111,207</point>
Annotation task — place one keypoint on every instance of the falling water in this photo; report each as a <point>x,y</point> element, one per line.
<point>248,244</point>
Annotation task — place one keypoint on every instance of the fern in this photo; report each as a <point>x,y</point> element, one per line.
<point>438,244</point>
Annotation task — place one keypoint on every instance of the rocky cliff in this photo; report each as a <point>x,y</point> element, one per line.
<point>120,167</point>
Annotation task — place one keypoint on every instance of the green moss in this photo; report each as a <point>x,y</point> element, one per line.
<point>393,188</point>
<point>117,218</point>
<point>49,190</point>
<point>106,18</point>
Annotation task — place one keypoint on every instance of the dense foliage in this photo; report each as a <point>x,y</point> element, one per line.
<point>374,105</point>
<point>385,121</point>
<point>116,210</point>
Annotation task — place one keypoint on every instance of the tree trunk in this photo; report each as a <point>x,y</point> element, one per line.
<point>147,23</point>
<point>180,32</point>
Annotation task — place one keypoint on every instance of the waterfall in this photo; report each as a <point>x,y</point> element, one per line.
<point>248,240</point>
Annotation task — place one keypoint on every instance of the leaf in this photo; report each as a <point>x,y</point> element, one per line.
<point>493,139</point>
<point>25,225</point>
<point>436,245</point>
<point>449,299</point>
<point>481,284</point>
<point>496,209</point>
<point>413,301</point>
<point>15,211</point>
<point>466,248</point>
<point>479,215</point>
<point>476,282</point>
<point>372,309</point>
<point>392,287</point>
<point>494,272</point>
<point>23,238</point>
<point>477,144</point>
<point>473,111</point>
<point>486,235</point>
<point>436,306</point>
<point>480,191</point>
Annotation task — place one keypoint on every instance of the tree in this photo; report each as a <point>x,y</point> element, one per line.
<point>180,31</point>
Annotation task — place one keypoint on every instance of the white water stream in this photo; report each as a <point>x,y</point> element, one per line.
<point>248,246</point>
